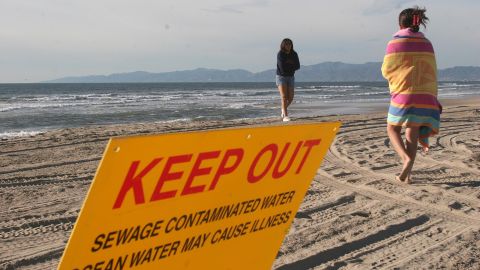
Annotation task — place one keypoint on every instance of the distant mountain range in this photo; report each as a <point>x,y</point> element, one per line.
<point>327,71</point>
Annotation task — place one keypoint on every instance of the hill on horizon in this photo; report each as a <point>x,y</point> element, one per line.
<point>322,72</point>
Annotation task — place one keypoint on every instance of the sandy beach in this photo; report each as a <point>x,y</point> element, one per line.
<point>354,216</point>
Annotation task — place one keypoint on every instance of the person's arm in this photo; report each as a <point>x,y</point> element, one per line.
<point>385,64</point>
<point>297,62</point>
<point>281,62</point>
<point>384,68</point>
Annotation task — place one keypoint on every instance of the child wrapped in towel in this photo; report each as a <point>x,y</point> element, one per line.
<point>410,68</point>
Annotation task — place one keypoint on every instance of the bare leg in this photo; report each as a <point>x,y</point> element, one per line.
<point>290,94</point>
<point>282,88</point>
<point>411,141</point>
<point>394,133</point>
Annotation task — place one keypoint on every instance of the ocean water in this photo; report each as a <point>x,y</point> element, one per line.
<point>27,109</point>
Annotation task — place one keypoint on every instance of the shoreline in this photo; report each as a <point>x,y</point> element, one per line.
<point>298,110</point>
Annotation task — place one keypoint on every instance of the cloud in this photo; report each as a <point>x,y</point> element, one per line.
<point>238,8</point>
<point>379,7</point>
<point>225,9</point>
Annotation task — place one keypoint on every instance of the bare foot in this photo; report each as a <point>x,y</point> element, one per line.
<point>406,170</point>
<point>408,180</point>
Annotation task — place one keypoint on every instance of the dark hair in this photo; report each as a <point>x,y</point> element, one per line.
<point>285,41</point>
<point>412,18</point>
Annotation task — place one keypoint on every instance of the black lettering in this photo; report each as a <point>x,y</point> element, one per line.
<point>123,235</point>
<point>110,238</point>
<point>137,257</point>
<point>148,256</point>
<point>146,231</point>
<point>156,227</point>
<point>135,234</point>
<point>98,265</point>
<point>98,242</point>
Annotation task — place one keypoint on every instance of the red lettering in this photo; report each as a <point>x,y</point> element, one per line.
<point>266,159</point>
<point>271,148</point>
<point>197,171</point>
<point>223,169</point>
<point>134,182</point>
<point>169,176</point>
<point>276,173</point>
<point>309,144</point>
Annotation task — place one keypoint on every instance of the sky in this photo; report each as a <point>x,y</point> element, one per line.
<point>49,39</point>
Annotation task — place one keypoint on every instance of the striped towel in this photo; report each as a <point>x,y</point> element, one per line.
<point>410,68</point>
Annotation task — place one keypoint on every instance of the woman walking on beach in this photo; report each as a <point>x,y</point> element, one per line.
<point>410,68</point>
<point>287,64</point>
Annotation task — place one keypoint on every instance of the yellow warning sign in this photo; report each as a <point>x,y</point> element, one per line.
<point>219,199</point>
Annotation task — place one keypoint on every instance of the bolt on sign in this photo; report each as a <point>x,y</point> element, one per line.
<point>221,199</point>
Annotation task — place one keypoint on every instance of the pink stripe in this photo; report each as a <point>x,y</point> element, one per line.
<point>408,32</point>
<point>409,47</point>
<point>407,99</point>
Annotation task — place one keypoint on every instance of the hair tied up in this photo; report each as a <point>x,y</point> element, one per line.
<point>416,20</point>
<point>413,18</point>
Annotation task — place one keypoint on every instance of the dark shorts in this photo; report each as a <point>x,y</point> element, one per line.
<point>289,81</point>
